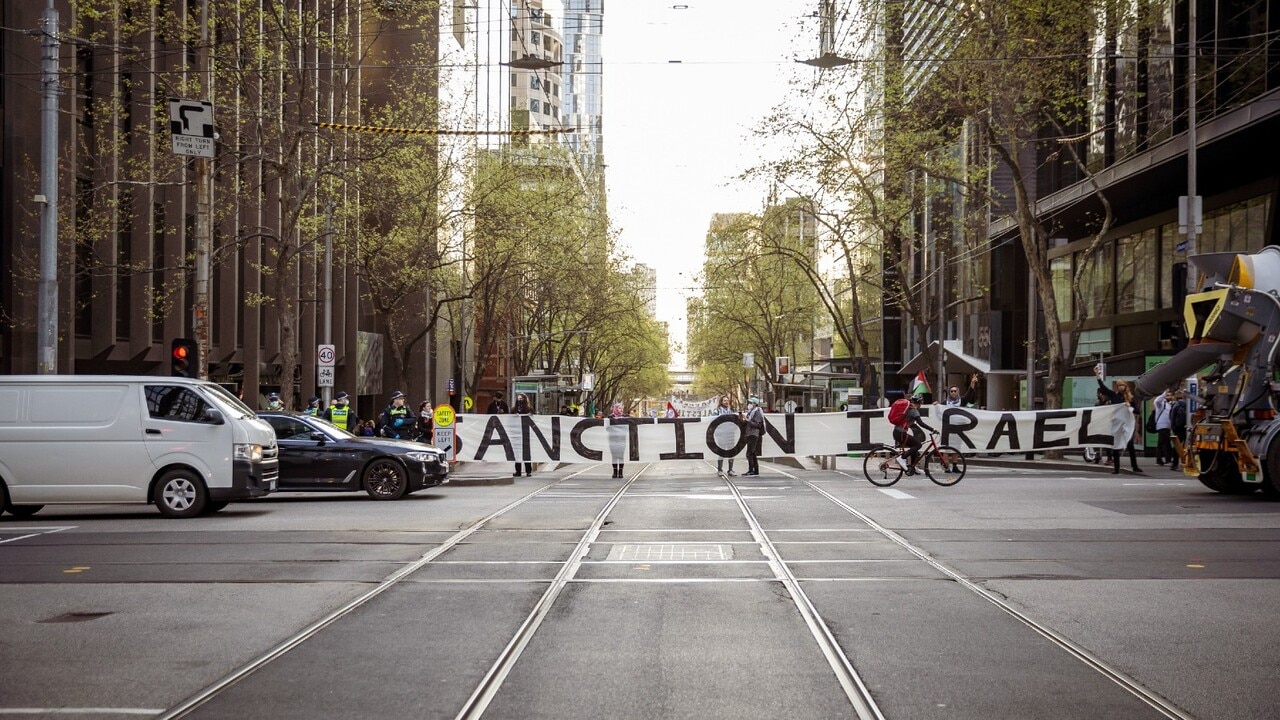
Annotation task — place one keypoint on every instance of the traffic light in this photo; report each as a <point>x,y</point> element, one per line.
<point>182,358</point>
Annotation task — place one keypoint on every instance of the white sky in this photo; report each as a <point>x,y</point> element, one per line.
<point>676,135</point>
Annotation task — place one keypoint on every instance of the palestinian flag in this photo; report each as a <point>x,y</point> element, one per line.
<point>919,386</point>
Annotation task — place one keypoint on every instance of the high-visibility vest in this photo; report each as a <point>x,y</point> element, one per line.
<point>338,415</point>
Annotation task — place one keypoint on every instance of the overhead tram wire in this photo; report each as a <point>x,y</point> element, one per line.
<point>435,131</point>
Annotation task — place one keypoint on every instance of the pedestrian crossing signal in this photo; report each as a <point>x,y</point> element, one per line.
<point>182,358</point>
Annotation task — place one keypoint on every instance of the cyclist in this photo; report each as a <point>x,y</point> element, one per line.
<point>904,419</point>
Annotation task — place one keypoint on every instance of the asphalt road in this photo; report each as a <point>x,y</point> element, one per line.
<point>673,593</point>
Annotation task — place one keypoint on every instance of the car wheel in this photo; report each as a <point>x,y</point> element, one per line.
<point>180,494</point>
<point>23,511</point>
<point>384,479</point>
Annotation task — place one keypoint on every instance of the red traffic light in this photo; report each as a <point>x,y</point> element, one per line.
<point>182,357</point>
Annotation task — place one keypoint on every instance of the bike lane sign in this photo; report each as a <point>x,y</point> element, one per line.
<point>326,357</point>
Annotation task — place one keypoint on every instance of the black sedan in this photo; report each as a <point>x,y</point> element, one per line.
<point>316,456</point>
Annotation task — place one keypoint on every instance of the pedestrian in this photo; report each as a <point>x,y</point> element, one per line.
<point>617,438</point>
<point>1098,453</point>
<point>724,433</point>
<point>274,403</point>
<point>426,423</point>
<point>1178,424</point>
<point>755,435</point>
<point>367,429</point>
<point>1119,393</point>
<point>498,406</point>
<point>395,421</point>
<point>340,413</point>
<point>523,408</point>
<point>1161,408</point>
<point>313,406</point>
<point>954,399</point>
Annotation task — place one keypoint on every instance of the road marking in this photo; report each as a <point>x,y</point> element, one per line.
<point>897,494</point>
<point>1154,484</point>
<point>79,711</point>
<point>37,531</point>
<point>76,569</point>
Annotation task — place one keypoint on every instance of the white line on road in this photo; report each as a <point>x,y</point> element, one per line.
<point>898,494</point>
<point>38,531</point>
<point>79,711</point>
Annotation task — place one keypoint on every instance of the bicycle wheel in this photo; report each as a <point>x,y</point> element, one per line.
<point>945,465</point>
<point>880,465</point>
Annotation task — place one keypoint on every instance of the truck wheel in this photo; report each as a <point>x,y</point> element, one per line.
<point>1271,470</point>
<point>23,511</point>
<point>1220,473</point>
<point>180,494</point>
<point>384,479</point>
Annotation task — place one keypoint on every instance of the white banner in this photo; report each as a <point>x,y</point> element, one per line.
<point>555,438</point>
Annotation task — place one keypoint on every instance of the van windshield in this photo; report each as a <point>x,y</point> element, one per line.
<point>228,399</point>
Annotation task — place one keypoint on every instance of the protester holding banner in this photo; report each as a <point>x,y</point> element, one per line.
<point>1121,394</point>
<point>755,433</point>
<point>724,433</point>
<point>617,438</point>
<point>523,408</point>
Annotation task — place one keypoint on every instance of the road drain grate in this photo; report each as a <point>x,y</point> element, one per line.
<point>76,617</point>
<point>672,552</point>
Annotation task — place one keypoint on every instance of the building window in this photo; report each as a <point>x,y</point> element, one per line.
<point>535,106</point>
<point>534,82</point>
<point>535,39</point>
<point>513,80</point>
<point>1136,273</point>
<point>1060,271</point>
<point>1172,252</point>
<point>1096,283</point>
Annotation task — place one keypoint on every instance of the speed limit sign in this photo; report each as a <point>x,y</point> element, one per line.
<point>326,355</point>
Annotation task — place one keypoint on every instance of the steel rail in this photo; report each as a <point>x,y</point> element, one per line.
<point>489,685</point>
<point>856,690</point>
<point>205,695</point>
<point>1148,696</point>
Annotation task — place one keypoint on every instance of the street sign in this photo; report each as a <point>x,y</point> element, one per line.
<point>588,381</point>
<point>326,355</point>
<point>442,434</point>
<point>324,377</point>
<point>467,402</point>
<point>748,360</point>
<point>191,126</point>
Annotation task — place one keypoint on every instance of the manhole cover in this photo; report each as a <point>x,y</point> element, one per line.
<point>671,552</point>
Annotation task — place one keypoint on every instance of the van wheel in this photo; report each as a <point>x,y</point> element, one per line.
<point>384,479</point>
<point>180,494</point>
<point>214,506</point>
<point>24,510</point>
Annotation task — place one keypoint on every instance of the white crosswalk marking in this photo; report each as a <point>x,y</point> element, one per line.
<point>897,494</point>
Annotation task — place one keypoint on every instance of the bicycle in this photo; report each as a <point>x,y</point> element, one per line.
<point>943,464</point>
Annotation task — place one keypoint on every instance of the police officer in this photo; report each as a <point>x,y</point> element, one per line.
<point>274,403</point>
<point>340,413</point>
<point>396,421</point>
<point>313,406</point>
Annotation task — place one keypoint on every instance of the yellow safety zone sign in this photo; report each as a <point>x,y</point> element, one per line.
<point>444,416</point>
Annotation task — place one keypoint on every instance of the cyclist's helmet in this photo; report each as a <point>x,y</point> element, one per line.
<point>917,399</point>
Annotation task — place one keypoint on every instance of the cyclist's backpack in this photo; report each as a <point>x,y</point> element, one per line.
<point>898,412</point>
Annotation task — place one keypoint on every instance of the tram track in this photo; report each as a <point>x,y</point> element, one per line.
<point>1131,685</point>
<point>292,642</point>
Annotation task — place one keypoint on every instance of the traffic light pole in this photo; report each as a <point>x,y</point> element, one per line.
<point>204,239</point>
<point>47,300</point>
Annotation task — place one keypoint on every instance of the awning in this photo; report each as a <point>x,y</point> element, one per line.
<point>956,360</point>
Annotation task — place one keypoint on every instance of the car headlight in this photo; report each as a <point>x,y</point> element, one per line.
<point>247,451</point>
<point>421,456</point>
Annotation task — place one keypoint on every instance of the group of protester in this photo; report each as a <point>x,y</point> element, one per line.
<point>1168,420</point>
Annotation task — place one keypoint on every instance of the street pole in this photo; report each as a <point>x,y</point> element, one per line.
<point>47,300</point>
<point>327,392</point>
<point>204,235</point>
<point>1193,200</point>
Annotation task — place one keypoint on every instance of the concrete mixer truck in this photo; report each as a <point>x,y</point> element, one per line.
<point>1233,337</point>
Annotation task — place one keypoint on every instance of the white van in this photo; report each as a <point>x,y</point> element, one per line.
<point>187,445</point>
